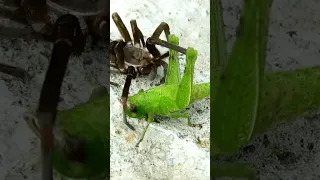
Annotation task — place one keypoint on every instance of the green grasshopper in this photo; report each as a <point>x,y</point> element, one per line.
<point>240,82</point>
<point>285,96</point>
<point>239,86</point>
<point>81,147</point>
<point>248,101</point>
<point>171,98</point>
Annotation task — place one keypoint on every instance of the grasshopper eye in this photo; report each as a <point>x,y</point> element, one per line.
<point>133,109</point>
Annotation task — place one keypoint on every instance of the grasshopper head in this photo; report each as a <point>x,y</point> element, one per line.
<point>135,111</point>
<point>132,110</point>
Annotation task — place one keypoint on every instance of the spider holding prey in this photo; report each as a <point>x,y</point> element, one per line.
<point>138,57</point>
<point>142,55</point>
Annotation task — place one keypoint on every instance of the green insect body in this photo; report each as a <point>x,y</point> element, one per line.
<point>235,104</point>
<point>239,85</point>
<point>285,96</point>
<point>174,96</point>
<point>81,140</point>
<point>248,100</point>
<point>162,101</point>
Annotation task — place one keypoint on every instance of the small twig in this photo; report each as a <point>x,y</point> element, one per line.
<point>14,71</point>
<point>114,84</point>
<point>60,8</point>
<point>10,32</point>
<point>13,13</point>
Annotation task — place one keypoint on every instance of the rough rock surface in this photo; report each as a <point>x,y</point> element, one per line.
<point>171,149</point>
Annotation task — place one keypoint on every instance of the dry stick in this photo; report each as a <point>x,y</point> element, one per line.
<point>74,12</point>
<point>14,71</point>
<point>13,13</point>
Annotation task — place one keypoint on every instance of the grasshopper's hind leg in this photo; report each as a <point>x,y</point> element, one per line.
<point>184,115</point>
<point>173,70</point>
<point>173,77</point>
<point>183,97</point>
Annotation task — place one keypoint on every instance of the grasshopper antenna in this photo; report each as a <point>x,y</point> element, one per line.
<point>68,35</point>
<point>131,75</point>
<point>160,42</point>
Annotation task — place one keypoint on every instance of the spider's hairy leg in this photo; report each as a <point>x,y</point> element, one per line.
<point>167,45</point>
<point>137,34</point>
<point>121,27</point>
<point>113,58</point>
<point>125,92</point>
<point>163,27</point>
<point>119,56</point>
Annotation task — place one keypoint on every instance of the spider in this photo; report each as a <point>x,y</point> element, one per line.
<point>142,55</point>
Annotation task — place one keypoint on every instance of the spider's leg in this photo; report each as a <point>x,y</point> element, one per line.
<point>135,32</point>
<point>121,27</point>
<point>140,34</point>
<point>125,92</point>
<point>155,39</point>
<point>152,48</point>
<point>112,54</point>
<point>167,45</point>
<point>118,50</point>
<point>142,38</point>
<point>163,27</point>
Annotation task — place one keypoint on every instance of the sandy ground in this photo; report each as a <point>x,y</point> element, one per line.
<point>170,149</point>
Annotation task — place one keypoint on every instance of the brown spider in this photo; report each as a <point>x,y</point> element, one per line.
<point>142,55</point>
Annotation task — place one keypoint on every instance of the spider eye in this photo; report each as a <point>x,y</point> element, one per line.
<point>145,70</point>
